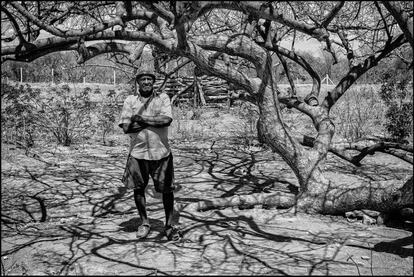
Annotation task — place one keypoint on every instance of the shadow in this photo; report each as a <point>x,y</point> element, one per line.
<point>91,217</point>
<point>232,170</point>
<point>396,247</point>
<point>132,225</point>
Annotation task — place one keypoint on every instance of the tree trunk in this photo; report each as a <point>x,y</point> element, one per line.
<point>328,198</point>
<point>304,162</point>
<point>382,197</point>
<point>317,194</point>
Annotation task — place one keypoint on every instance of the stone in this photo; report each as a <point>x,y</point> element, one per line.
<point>367,220</point>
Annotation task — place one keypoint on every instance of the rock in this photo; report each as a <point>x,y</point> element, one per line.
<point>371,213</point>
<point>189,115</point>
<point>380,220</point>
<point>240,172</point>
<point>365,257</point>
<point>367,220</point>
<point>406,213</point>
<point>349,215</point>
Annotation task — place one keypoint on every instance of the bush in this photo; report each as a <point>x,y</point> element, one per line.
<point>107,114</point>
<point>67,115</point>
<point>19,113</point>
<point>399,120</point>
<point>358,113</point>
<point>396,92</point>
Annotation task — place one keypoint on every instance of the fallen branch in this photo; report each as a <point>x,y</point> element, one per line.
<point>278,199</point>
<point>365,149</point>
<point>385,147</point>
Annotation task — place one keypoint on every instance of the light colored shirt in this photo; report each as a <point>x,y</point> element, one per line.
<point>152,142</point>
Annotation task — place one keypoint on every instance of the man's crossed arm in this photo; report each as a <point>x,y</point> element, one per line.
<point>154,121</point>
<point>139,122</point>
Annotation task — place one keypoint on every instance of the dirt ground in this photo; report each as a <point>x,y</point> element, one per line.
<point>91,218</point>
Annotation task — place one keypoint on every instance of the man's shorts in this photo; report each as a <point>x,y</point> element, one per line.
<point>137,174</point>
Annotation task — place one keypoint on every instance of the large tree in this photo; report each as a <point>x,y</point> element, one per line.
<point>241,42</point>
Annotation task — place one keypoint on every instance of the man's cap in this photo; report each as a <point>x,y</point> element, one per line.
<point>145,73</point>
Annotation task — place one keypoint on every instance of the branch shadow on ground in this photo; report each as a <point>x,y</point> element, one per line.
<point>92,218</point>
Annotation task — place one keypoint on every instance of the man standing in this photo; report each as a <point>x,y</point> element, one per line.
<point>145,118</point>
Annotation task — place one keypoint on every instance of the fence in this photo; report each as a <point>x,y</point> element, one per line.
<point>201,90</point>
<point>52,77</point>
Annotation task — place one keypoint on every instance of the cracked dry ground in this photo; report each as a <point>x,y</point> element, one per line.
<point>91,219</point>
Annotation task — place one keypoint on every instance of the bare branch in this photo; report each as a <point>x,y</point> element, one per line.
<point>240,46</point>
<point>174,70</point>
<point>55,44</point>
<point>357,71</point>
<point>332,14</point>
<point>383,19</point>
<point>330,50</point>
<point>138,14</point>
<point>288,75</point>
<point>101,48</point>
<point>316,80</point>
<point>201,59</point>
<point>160,11</point>
<point>137,52</point>
<point>386,147</point>
<point>402,18</point>
<point>16,27</point>
<point>255,10</point>
<point>345,43</point>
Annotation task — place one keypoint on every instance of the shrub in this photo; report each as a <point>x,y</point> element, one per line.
<point>107,114</point>
<point>66,115</point>
<point>358,113</point>
<point>18,113</point>
<point>396,93</point>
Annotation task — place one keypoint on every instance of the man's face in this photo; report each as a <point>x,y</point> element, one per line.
<point>146,85</point>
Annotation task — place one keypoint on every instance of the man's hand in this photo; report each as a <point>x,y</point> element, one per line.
<point>154,121</point>
<point>138,119</point>
<point>133,127</point>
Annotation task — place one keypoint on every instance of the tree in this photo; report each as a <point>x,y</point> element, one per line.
<point>239,42</point>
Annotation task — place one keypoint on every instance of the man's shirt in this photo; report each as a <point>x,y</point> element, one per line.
<point>152,142</point>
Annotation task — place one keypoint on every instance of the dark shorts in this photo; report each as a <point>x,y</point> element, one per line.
<point>137,174</point>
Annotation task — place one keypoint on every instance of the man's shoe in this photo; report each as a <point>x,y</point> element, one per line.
<point>143,230</point>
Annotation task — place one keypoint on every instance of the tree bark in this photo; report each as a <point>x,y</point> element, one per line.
<point>322,198</point>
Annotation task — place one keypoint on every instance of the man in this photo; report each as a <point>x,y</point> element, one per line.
<point>145,117</point>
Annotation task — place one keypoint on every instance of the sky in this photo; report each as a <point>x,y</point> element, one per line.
<point>310,45</point>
